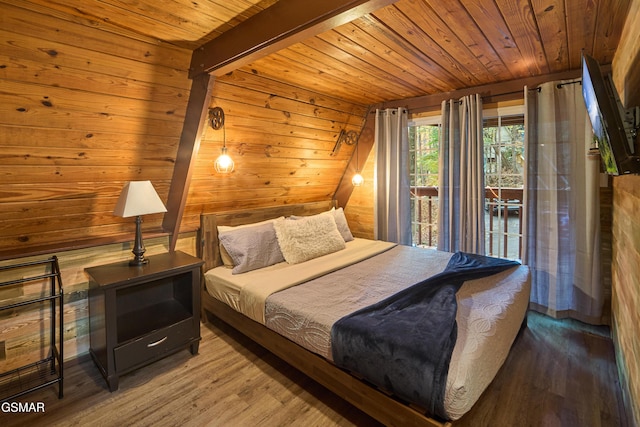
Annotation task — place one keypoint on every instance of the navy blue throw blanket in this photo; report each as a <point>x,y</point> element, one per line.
<point>404,343</point>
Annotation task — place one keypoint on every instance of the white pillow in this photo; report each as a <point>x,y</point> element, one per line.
<point>308,237</point>
<point>341,222</point>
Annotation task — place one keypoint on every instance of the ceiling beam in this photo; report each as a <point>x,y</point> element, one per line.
<point>192,130</point>
<point>285,23</point>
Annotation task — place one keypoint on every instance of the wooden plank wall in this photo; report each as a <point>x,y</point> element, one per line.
<point>626,229</point>
<point>84,108</point>
<point>626,287</point>
<point>21,339</point>
<point>280,138</point>
<point>627,59</point>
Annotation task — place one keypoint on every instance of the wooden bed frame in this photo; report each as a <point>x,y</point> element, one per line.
<point>364,396</point>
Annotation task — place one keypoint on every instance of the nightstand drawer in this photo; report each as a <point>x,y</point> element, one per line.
<point>153,345</point>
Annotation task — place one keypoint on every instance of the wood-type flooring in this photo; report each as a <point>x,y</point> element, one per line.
<point>559,373</point>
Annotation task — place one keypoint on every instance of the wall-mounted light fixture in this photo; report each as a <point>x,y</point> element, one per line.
<point>224,163</point>
<point>136,199</point>
<point>348,137</point>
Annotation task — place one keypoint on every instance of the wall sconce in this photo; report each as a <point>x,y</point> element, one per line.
<point>224,163</point>
<point>346,137</point>
<point>136,199</point>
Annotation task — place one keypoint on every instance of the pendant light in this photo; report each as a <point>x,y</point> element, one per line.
<point>224,163</point>
<point>357,179</point>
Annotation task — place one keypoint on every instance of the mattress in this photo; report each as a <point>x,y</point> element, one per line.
<point>490,310</point>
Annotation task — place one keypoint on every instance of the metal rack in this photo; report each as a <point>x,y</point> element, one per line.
<point>48,371</point>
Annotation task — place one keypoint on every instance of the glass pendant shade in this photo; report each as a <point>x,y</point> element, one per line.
<point>224,163</point>
<point>357,180</point>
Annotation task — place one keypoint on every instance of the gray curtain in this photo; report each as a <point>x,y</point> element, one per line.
<point>461,181</point>
<point>562,239</point>
<point>392,212</point>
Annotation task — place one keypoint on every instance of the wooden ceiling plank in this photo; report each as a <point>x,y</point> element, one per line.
<point>281,25</point>
<point>384,57</point>
<point>225,92</point>
<point>414,35</point>
<point>490,21</point>
<point>581,22</point>
<point>272,66</point>
<point>416,60</point>
<point>526,34</point>
<point>551,19</point>
<point>456,18</point>
<point>250,81</point>
<point>445,37</point>
<point>364,67</point>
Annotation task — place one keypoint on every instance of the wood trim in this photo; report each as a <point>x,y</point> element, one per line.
<point>285,23</point>
<point>192,131</point>
<point>76,245</point>
<point>496,92</point>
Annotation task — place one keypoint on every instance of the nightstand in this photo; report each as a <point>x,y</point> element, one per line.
<point>140,314</point>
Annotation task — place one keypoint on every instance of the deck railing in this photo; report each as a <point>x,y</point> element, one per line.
<point>503,226</point>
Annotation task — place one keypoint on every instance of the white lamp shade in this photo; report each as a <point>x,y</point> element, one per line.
<point>138,198</point>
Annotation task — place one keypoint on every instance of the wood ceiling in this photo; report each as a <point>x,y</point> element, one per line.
<point>417,47</point>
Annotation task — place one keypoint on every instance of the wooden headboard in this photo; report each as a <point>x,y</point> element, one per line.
<point>208,248</point>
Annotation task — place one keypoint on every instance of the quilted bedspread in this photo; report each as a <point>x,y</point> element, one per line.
<point>404,343</point>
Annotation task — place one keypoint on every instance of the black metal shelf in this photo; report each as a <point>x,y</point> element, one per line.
<point>48,371</point>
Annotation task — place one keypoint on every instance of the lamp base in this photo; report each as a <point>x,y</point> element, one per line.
<point>138,261</point>
<point>138,246</point>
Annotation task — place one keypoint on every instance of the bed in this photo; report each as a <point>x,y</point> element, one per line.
<point>294,302</point>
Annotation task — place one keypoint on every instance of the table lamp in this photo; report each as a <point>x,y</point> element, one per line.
<point>136,199</point>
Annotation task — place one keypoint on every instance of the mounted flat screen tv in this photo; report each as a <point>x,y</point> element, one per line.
<point>614,128</point>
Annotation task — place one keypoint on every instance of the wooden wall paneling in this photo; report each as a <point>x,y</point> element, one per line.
<point>608,31</point>
<point>83,31</point>
<point>625,251</point>
<point>83,110</point>
<point>626,288</point>
<point>626,61</point>
<point>22,327</point>
<point>278,67</point>
<point>313,108</point>
<point>80,140</point>
<point>278,120</point>
<point>361,153</point>
<point>246,78</point>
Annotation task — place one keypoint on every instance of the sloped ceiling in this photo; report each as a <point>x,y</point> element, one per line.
<point>94,94</point>
<point>417,47</point>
